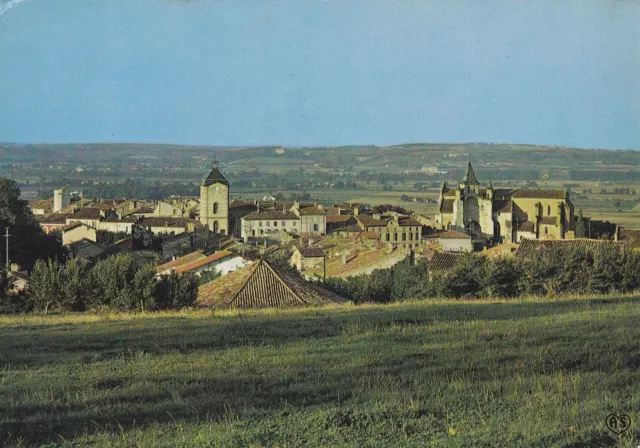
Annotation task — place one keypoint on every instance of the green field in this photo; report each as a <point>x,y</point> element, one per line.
<point>487,373</point>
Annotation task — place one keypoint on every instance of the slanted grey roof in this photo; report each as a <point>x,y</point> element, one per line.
<point>469,176</point>
<point>215,176</point>
<point>262,285</point>
<point>446,206</point>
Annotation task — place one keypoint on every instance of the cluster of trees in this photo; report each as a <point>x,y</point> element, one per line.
<point>27,242</point>
<point>400,282</point>
<point>118,283</point>
<point>552,272</point>
<point>593,228</point>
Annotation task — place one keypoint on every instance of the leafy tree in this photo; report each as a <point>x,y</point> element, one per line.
<point>5,283</point>
<point>580,228</point>
<point>44,286</point>
<point>13,210</point>
<point>113,281</point>
<point>75,285</point>
<point>176,291</point>
<point>501,278</point>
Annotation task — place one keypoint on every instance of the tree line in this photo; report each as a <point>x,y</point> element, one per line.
<point>555,271</point>
<point>116,283</point>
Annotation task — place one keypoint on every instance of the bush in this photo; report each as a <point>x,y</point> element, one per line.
<point>118,282</point>
<point>175,291</point>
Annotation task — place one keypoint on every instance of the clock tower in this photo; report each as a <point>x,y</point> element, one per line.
<point>214,201</point>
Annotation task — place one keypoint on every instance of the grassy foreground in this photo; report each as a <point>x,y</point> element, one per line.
<point>532,373</point>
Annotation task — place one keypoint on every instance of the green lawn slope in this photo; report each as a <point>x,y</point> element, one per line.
<point>459,374</point>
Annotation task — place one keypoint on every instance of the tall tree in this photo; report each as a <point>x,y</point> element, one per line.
<point>28,242</point>
<point>13,210</point>
<point>580,229</point>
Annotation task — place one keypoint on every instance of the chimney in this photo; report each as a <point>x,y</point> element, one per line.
<point>258,205</point>
<point>344,257</point>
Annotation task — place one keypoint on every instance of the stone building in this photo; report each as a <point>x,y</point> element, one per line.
<point>300,219</point>
<point>61,199</point>
<point>393,230</point>
<point>505,214</point>
<point>214,201</point>
<point>269,221</point>
<point>307,258</point>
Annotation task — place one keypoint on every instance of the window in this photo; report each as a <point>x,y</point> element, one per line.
<point>215,208</point>
<point>548,210</point>
<point>284,223</point>
<point>260,224</point>
<point>411,237</point>
<point>388,237</point>
<point>268,224</point>
<point>546,230</point>
<point>315,227</point>
<point>275,223</point>
<point>404,236</point>
<point>215,226</point>
<point>295,223</point>
<point>395,237</point>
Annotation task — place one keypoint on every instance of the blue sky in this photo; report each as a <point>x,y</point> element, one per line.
<point>321,73</point>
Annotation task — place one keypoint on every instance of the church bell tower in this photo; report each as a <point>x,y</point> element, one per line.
<point>214,201</point>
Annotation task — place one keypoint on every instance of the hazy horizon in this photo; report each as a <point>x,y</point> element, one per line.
<point>320,73</point>
<point>269,145</point>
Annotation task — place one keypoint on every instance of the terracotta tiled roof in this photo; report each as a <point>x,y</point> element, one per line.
<point>368,235</point>
<point>312,211</point>
<point>204,261</point>
<point>156,221</point>
<point>180,261</point>
<point>87,213</point>
<point>311,252</point>
<point>450,234</point>
<point>443,261</point>
<point>446,206</point>
<point>270,214</point>
<point>531,246</point>
<point>334,219</point>
<point>262,285</point>
<point>406,221</point>
<point>46,204</point>
<point>539,193</point>
<point>104,205</point>
<point>370,221</point>
<point>54,218</point>
<point>74,225</point>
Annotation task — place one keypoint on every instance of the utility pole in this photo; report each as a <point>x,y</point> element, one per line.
<point>6,235</point>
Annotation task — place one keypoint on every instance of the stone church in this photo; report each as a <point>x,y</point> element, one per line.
<point>214,201</point>
<point>504,214</point>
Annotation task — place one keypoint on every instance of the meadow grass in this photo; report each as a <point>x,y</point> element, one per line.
<point>426,373</point>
